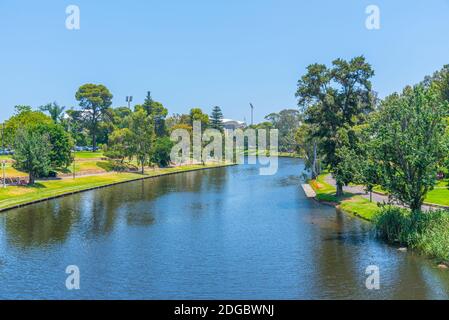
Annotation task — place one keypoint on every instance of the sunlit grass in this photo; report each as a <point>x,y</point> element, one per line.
<point>349,203</point>
<point>359,206</point>
<point>88,155</point>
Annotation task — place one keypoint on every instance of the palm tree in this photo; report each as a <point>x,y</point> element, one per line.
<point>56,112</point>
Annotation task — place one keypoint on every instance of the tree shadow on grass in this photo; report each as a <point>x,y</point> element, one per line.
<point>35,185</point>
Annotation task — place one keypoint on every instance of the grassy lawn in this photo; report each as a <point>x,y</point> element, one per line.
<point>15,195</point>
<point>84,161</point>
<point>12,172</point>
<point>350,203</point>
<point>359,206</point>
<point>88,155</point>
<point>439,195</point>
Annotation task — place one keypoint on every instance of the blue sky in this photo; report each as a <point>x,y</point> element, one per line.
<point>206,53</point>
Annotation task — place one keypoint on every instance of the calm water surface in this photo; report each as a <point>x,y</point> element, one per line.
<point>225,233</point>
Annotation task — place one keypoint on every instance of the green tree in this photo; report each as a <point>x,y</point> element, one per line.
<point>157,113</point>
<point>61,144</point>
<point>196,114</point>
<point>25,118</point>
<point>22,108</point>
<point>56,112</point>
<point>160,153</point>
<point>216,119</point>
<point>334,100</point>
<point>94,100</point>
<point>32,153</point>
<point>307,148</point>
<point>142,134</point>
<point>409,143</point>
<point>120,145</point>
<point>75,125</point>
<point>287,122</point>
<point>119,117</point>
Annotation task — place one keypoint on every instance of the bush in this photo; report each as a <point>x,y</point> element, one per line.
<point>427,232</point>
<point>160,153</point>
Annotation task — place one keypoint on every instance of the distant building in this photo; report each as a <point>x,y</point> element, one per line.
<point>229,124</point>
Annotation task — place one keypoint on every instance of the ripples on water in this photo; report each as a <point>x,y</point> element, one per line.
<point>215,234</point>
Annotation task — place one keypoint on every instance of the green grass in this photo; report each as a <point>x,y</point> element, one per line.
<point>349,203</point>
<point>12,172</point>
<point>84,162</point>
<point>438,196</point>
<point>88,155</point>
<point>324,191</point>
<point>360,206</point>
<point>16,195</point>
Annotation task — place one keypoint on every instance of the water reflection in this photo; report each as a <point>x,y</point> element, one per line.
<point>46,223</point>
<point>98,211</point>
<point>216,234</point>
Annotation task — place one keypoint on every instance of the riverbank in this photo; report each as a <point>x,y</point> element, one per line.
<point>18,196</point>
<point>424,232</point>
<point>350,203</point>
<point>356,202</point>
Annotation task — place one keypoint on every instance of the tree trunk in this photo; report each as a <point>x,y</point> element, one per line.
<point>143,168</point>
<point>416,205</point>
<point>339,189</point>
<point>94,131</point>
<point>31,179</point>
<point>94,141</point>
<point>370,196</point>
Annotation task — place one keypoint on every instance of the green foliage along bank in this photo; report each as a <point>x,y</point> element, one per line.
<point>427,233</point>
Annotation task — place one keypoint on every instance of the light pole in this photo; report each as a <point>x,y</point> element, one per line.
<point>4,173</point>
<point>129,99</point>
<point>252,115</point>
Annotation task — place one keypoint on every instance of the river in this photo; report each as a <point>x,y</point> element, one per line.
<point>225,233</point>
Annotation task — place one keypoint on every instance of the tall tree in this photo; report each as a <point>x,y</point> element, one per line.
<point>409,143</point>
<point>94,100</point>
<point>56,112</point>
<point>307,148</point>
<point>142,134</point>
<point>157,113</point>
<point>196,114</point>
<point>216,118</point>
<point>32,153</point>
<point>287,122</point>
<point>334,100</point>
<point>21,119</point>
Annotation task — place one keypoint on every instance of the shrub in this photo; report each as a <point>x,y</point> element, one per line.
<point>160,153</point>
<point>427,232</point>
